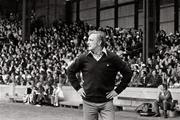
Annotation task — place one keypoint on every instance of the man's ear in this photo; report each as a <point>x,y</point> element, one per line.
<point>99,42</point>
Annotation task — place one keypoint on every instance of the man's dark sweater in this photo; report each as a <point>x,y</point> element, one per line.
<point>99,76</point>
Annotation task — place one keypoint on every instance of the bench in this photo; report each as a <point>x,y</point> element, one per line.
<point>136,99</point>
<point>131,99</point>
<point>130,103</point>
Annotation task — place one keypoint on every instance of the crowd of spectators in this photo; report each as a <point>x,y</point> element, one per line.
<point>163,66</point>
<point>45,57</point>
<point>44,94</point>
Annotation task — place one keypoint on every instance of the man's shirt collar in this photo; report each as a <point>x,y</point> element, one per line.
<point>103,51</point>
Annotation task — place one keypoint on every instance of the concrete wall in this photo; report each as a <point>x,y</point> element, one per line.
<point>74,11</point>
<point>105,3</point>
<point>179,18</point>
<point>88,11</point>
<point>150,93</point>
<point>71,95</point>
<point>107,17</point>
<point>126,16</point>
<point>141,19</point>
<point>50,9</point>
<point>167,18</point>
<point>9,90</point>
<point>124,1</point>
<point>7,7</point>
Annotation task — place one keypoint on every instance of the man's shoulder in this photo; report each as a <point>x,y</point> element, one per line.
<point>112,54</point>
<point>81,56</point>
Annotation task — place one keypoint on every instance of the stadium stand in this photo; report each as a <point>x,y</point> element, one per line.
<point>48,46</point>
<point>45,57</point>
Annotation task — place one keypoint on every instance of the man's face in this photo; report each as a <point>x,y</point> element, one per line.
<point>164,89</point>
<point>153,73</point>
<point>93,42</point>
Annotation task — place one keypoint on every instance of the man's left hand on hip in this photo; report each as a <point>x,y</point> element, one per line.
<point>111,94</point>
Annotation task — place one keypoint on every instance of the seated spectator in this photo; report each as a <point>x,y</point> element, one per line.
<point>33,94</point>
<point>5,78</point>
<point>38,94</point>
<point>1,80</point>
<point>153,80</point>
<point>48,93</point>
<point>164,101</point>
<point>143,79</point>
<point>135,80</point>
<point>175,83</point>
<point>28,96</point>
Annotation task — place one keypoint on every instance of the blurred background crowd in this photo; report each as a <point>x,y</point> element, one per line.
<point>45,57</point>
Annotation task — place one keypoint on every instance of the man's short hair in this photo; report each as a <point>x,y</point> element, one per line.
<point>101,35</point>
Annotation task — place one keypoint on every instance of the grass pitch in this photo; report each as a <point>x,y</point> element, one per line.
<point>20,111</point>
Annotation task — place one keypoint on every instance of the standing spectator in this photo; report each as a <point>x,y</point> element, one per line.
<point>99,68</point>
<point>28,95</point>
<point>57,95</point>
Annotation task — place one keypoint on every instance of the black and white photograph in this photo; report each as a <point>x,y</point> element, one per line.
<point>89,59</point>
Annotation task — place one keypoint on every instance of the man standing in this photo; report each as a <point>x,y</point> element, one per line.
<point>99,68</point>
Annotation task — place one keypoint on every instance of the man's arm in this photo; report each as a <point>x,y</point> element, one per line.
<point>167,96</point>
<point>71,73</point>
<point>126,73</point>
